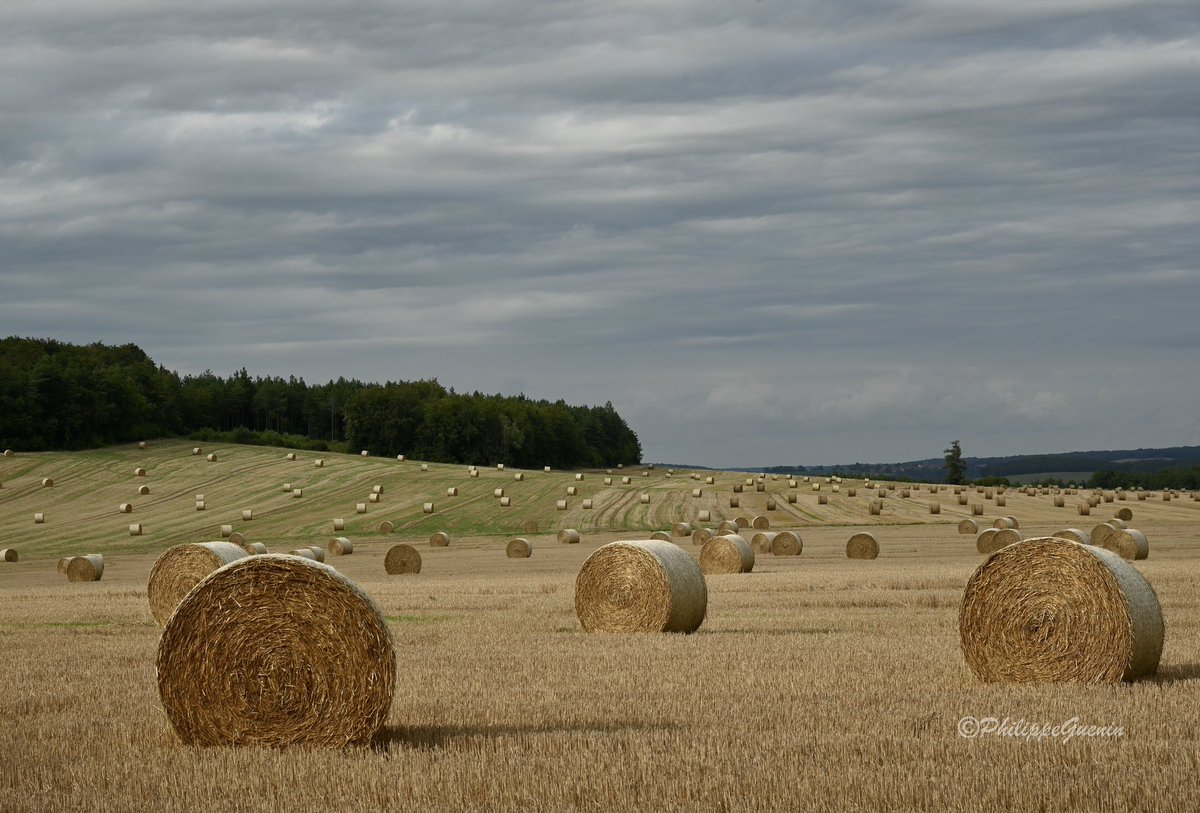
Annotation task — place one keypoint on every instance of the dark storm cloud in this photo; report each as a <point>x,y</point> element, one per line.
<point>769,232</point>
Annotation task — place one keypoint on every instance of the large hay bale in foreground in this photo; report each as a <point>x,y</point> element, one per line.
<point>568,536</point>
<point>968,526</point>
<point>787,543</point>
<point>440,539</point>
<point>729,553</point>
<point>276,651</point>
<point>86,568</point>
<point>180,569</point>
<point>640,586</point>
<point>862,545</point>
<point>402,559</point>
<point>1047,610</point>
<point>518,548</point>
<point>341,546</point>
<point>8,555</point>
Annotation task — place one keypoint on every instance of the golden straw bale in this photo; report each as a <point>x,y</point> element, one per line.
<point>255,548</point>
<point>862,545</point>
<point>440,539</point>
<point>1125,514</point>
<point>8,555</point>
<point>704,515</point>
<point>682,529</point>
<point>181,568</point>
<point>640,586</point>
<point>725,554</point>
<point>762,541</point>
<point>402,559</point>
<point>1048,610</point>
<point>968,526</point>
<point>702,535</point>
<point>386,526</point>
<point>665,536</point>
<point>506,502</point>
<point>569,536</point>
<point>341,546</point>
<point>787,543</point>
<point>276,651</point>
<point>518,548</point>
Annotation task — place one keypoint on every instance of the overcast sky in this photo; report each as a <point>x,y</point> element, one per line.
<point>774,232</point>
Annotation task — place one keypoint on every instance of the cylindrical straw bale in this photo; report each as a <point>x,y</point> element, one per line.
<point>850,492</point>
<point>935,508</point>
<point>360,508</point>
<point>212,457</point>
<point>608,481</point>
<point>307,553</point>
<point>1001,501</point>
<point>977,509</point>
<point>8,555</point>
<point>1100,535</point>
<point>822,500</point>
<point>143,490</point>
<point>1005,537</point>
<point>530,526</point>
<point>1084,509</point>
<point>1003,522</point>
<point>63,563</point>
<point>318,552</point>
<point>626,480</point>
<point>762,541</point>
<point>125,508</point>
<point>47,482</point>
<point>497,493</point>
<point>386,526</point>
<point>682,529</point>
<point>697,492</point>
<point>1047,610</point>
<point>255,548</point>
<point>1125,514</point>
<point>440,539</point>
<point>519,477</point>
<point>787,543</point>
<point>247,514</point>
<point>968,526</point>
<point>644,498</point>
<point>862,545</point>
<point>1128,543</point>
<point>665,536</point>
<point>424,467</point>
<point>771,505</point>
<point>1060,502</point>
<point>560,505</point>
<point>572,491</point>
<point>702,535</point>
<point>291,456</point>
<point>518,548</point>
<point>319,463</point>
<point>506,502</point>
<point>370,497</point>
<point>287,487</point>
<point>86,568</point>
<point>339,524</point>
<point>568,536</point>
<point>704,515</point>
<point>276,651</point>
<point>39,518</point>
<point>341,546</point>
<point>452,491</point>
<point>402,559</point>
<point>640,586</point>
<point>729,553</point>
<point>226,530</point>
<point>196,450</point>
<point>962,499</point>
<point>237,538</point>
<point>760,523</point>
<point>728,526</point>
<point>791,498</point>
<point>985,542</point>
<point>200,505</point>
<point>139,472</point>
<point>180,569</point>
<point>875,508</point>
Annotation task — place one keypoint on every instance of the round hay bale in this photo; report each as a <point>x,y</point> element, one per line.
<point>1001,501</point>
<point>226,530</point>
<point>905,492</point>
<point>255,548</point>
<point>365,453</point>
<point>791,498</point>
<point>519,477</point>
<point>1003,522</point>
<point>737,488</point>
<point>560,505</point>
<point>530,526</point>
<point>985,542</point>
<point>968,526</point>
<point>644,498</point>
<point>339,524</point>
<point>742,522</point>
<point>247,515</point>
<point>318,552</point>
<point>400,458</point>
<point>180,569</point>
<point>47,482</point>
<point>370,497</point>
<point>1074,535</point>
<point>1047,610</point>
<point>760,523</point>
<point>822,500</point>
<point>518,548</point>
<point>63,563</point>
<point>640,586</point>
<point>850,492</point>
<point>8,452</point>
<point>760,487</point>
<point>697,492</point>
<point>587,504</point>
<point>1060,502</point>
<point>704,515</point>
<point>771,505</point>
<point>1128,543</point>
<point>424,467</point>
<point>875,508</point>
<point>1100,535</point>
<point>664,536</point>
<point>361,507</point>
<point>569,536</point>
<point>290,456</point>
<point>734,502</point>
<point>200,505</point>
<point>728,526</point>
<point>212,457</point>
<point>572,491</point>
<point>702,535</point>
<point>135,529</point>
<point>729,553</point>
<point>862,545</point>
<point>682,529</point>
<point>506,502</point>
<point>1084,509</point>
<point>402,559</point>
<point>546,469</point>
<point>307,553</point>
<point>452,491</point>
<point>498,493</point>
<point>386,527</point>
<point>196,450</point>
<point>143,490</point>
<point>139,472</point>
<point>1013,522</point>
<point>1117,523</point>
<point>962,499</point>
<point>935,508</point>
<point>427,508</point>
<point>977,509</point>
<point>762,541</point>
<point>276,651</point>
<point>1005,537</point>
<point>8,555</point>
<point>787,543</point>
<point>125,508</point>
<point>1141,496</point>
<point>474,473</point>
<point>626,481</point>
<point>341,546</point>
<point>578,476</point>
<point>39,518</point>
<point>141,444</point>
<point>440,539</point>
<point>1125,514</point>
<point>499,467</point>
<point>239,539</point>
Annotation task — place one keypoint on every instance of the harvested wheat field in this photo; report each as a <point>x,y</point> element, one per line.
<point>814,682</point>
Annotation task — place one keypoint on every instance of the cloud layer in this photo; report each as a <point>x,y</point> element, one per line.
<point>769,233</point>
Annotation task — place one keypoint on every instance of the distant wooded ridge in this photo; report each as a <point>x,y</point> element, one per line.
<point>61,396</point>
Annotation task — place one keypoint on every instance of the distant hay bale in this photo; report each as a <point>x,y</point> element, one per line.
<point>742,522</point>
<point>86,568</point>
<point>1141,496</point>
<point>905,492</point>
<point>8,555</point>
<point>737,488</point>
<point>39,518</point>
<point>822,500</point>
<point>237,538</point>
<point>760,487</point>
<point>682,529</point>
<point>499,467</point>
<point>143,490</point>
<point>319,463</point>
<point>791,483</point>
<point>1001,501</point>
<point>180,569</point>
<point>664,536</point>
<point>545,468</point>
<point>704,515</point>
<point>376,489</point>
<point>247,514</point>
<point>318,552</point>
<point>1125,514</point>
<point>276,651</point>
<point>226,530</point>
<point>608,481</point>
<point>307,553</point>
<point>530,526</point>
<point>816,486</point>
<point>977,509</point>
<point>1013,522</point>
<point>440,539</point>
<point>968,526</point>
<point>626,481</point>
<point>290,456</point>
<point>365,453</point>
<point>63,563</point>
<point>962,499</point>
<point>8,452</point>
<point>708,481</point>
<point>644,498</point>
<point>985,542</point>
<point>560,505</point>
<point>47,482</point>
<point>762,541</point>
<point>400,458</point>
<point>697,492</point>
<point>339,524</point>
<point>760,523</point>
<point>578,476</point>
<point>212,457</point>
<point>518,548</point>
<point>1128,543</point>
<point>1005,537</point>
<point>139,472</point>
<point>497,493</point>
<point>287,488</point>
<point>1047,610</point>
<point>452,492</point>
<point>734,502</point>
<point>791,498</point>
<point>836,489</point>
<point>341,546</point>
<point>1060,502</point>
<point>200,504</point>
<point>519,477</point>
<point>424,467</point>
<point>787,543</point>
<point>360,508</point>
<point>125,508</point>
<point>862,545</point>
<point>386,527</point>
<point>255,548</point>
<point>572,491</point>
<point>402,559</point>
<point>875,508</point>
<point>728,527</point>
<point>1100,534</point>
<point>1084,509</point>
<point>702,535</point>
<point>1074,535</point>
<point>196,450</point>
<point>935,508</point>
<point>569,536</point>
<point>726,554</point>
<point>506,502</point>
<point>370,497</point>
<point>640,586</point>
<point>1003,522</point>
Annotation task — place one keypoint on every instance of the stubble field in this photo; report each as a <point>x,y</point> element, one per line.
<point>815,683</point>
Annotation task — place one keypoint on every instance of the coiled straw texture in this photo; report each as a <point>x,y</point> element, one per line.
<point>640,586</point>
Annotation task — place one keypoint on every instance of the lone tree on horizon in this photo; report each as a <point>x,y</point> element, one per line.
<point>956,469</point>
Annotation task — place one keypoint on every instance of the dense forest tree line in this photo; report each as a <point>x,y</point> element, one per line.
<point>1187,479</point>
<point>55,395</point>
